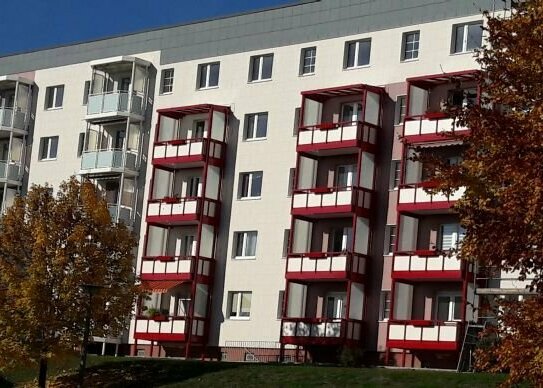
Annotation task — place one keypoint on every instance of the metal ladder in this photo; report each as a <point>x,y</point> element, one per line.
<point>471,337</point>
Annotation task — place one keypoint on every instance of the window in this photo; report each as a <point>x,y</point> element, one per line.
<point>449,308</point>
<point>451,235</point>
<point>410,45</point>
<point>245,244</point>
<point>48,148</point>
<point>395,174</point>
<point>280,302</point>
<point>336,305</point>
<point>297,113</point>
<point>462,98</point>
<point>291,181</point>
<point>390,239</point>
<point>208,75</point>
<point>86,92</point>
<point>261,68</point>
<point>256,126</point>
<point>384,313</point>
<point>286,240</point>
<point>400,110</point>
<point>250,184</point>
<point>357,53</point>
<point>239,304</point>
<point>124,85</point>
<point>345,175</point>
<point>308,59</point>
<point>351,111</point>
<point>54,96</point>
<point>166,84</point>
<point>80,144</point>
<point>467,37</point>
<point>342,239</point>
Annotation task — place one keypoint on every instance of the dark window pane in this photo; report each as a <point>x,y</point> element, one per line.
<point>262,125</point>
<point>244,185</point>
<point>351,50</point>
<point>54,147</point>
<point>475,36</point>
<point>249,131</point>
<point>50,93</point>
<point>203,75</point>
<point>256,187</point>
<point>59,97</point>
<point>364,53</point>
<point>44,147</point>
<point>267,67</point>
<point>443,308</point>
<point>255,66</point>
<point>459,39</point>
<point>214,75</point>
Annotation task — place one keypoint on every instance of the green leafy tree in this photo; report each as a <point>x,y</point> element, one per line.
<point>49,247</point>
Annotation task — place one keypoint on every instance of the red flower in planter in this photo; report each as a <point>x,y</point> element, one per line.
<point>160,318</point>
<point>170,200</point>
<point>165,258</point>
<point>326,126</point>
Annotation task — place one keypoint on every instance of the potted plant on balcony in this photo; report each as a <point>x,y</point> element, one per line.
<point>171,200</point>
<point>156,315</point>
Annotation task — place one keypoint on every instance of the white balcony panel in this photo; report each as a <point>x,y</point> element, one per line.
<point>418,263</point>
<point>294,264</point>
<point>304,329</point>
<point>350,132</point>
<point>184,266</point>
<point>319,136</point>
<point>446,125</point>
<point>141,325</point>
<point>154,209</point>
<point>412,127</point>
<point>289,329</point>
<point>171,150</point>
<point>407,195</point>
<point>147,266</point>
<point>448,333</point>
<point>160,151</point>
<point>304,137</point>
<point>430,333</point>
<point>401,263</point>
<point>344,197</point>
<point>153,326</point>
<point>324,264</point>
<point>314,200</point>
<point>318,330</point>
<point>178,326</point>
<point>308,265</point>
<point>334,134</point>
<point>396,332</point>
<point>428,127</point>
<point>435,263</point>
<point>451,263</point>
<point>339,263</point>
<point>413,333</point>
<point>165,209</point>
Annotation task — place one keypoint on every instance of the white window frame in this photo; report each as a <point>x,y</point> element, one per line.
<point>244,236</point>
<point>165,79</point>
<point>339,308</point>
<point>54,90</point>
<point>356,52</point>
<point>207,67</point>
<point>250,174</point>
<point>465,27</point>
<point>312,57</point>
<point>237,308</point>
<point>46,142</point>
<point>260,59</point>
<point>254,130</point>
<point>357,108</point>
<point>456,237</point>
<point>452,303</point>
<point>415,52</point>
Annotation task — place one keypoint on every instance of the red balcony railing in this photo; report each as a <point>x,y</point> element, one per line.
<point>431,127</point>
<point>169,328</point>
<point>336,135</point>
<point>176,211</point>
<point>429,264</point>
<point>331,200</point>
<point>424,334</point>
<point>175,153</point>
<point>175,267</point>
<point>321,331</point>
<point>415,197</point>
<point>326,265</point>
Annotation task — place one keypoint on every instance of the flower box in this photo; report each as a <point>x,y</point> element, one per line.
<point>160,318</point>
<point>327,126</point>
<point>170,200</point>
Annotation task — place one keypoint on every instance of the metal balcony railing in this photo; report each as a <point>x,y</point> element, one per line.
<point>326,133</point>
<point>10,170</point>
<point>109,158</point>
<point>318,328</point>
<point>11,118</point>
<point>117,101</point>
<point>332,197</point>
<point>325,263</point>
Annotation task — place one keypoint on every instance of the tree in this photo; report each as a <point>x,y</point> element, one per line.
<point>502,170</point>
<point>49,247</point>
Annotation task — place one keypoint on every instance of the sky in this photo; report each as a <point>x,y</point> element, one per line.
<point>33,24</point>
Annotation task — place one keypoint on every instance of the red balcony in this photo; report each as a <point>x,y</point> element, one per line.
<point>187,153</point>
<point>321,331</point>
<point>183,268</point>
<point>331,201</point>
<point>429,265</point>
<point>425,335</point>
<point>414,198</point>
<point>326,266</point>
<point>431,127</point>
<point>173,211</point>
<point>169,328</point>
<point>326,138</point>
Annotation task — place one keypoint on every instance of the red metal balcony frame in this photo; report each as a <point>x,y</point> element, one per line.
<point>191,275</point>
<point>352,208</point>
<point>177,162</point>
<point>414,207</point>
<point>422,344</point>
<point>200,215</point>
<point>348,274</point>
<point>170,337</point>
<point>430,275</point>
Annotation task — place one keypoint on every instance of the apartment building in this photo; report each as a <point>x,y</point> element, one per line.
<point>264,161</point>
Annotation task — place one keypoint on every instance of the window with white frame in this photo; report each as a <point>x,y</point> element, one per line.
<point>261,67</point>
<point>410,45</point>
<point>166,84</point>
<point>467,37</point>
<point>54,97</point>
<point>245,244</point>
<point>239,304</point>
<point>351,111</point>
<point>48,148</point>
<point>357,53</point>
<point>448,307</point>
<point>400,110</point>
<point>250,185</point>
<point>256,126</point>
<point>451,235</point>
<point>208,75</point>
<point>308,59</point>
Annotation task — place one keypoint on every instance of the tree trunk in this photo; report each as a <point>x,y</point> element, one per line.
<point>42,379</point>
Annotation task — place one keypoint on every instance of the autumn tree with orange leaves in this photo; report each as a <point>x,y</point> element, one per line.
<point>51,245</point>
<point>502,170</point>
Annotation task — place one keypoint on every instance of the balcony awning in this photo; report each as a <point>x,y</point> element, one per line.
<point>160,286</point>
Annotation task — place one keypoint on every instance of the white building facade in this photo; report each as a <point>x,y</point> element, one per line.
<point>258,158</point>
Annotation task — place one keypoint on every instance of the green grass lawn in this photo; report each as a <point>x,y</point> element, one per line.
<point>132,372</point>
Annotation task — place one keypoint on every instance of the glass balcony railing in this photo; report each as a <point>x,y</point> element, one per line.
<point>112,102</point>
<point>121,213</point>
<point>12,119</point>
<point>112,158</point>
<point>10,170</point>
